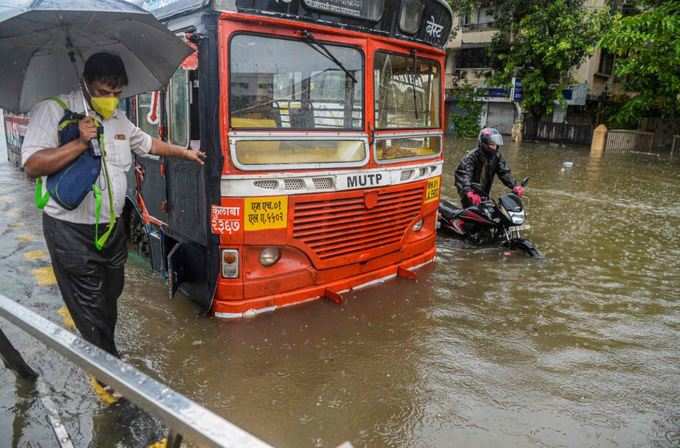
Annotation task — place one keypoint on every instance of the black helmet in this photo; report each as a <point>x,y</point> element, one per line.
<point>490,135</point>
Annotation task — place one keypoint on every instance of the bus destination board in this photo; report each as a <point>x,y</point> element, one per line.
<point>362,9</point>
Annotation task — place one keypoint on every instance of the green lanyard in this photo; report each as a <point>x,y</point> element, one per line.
<point>100,241</point>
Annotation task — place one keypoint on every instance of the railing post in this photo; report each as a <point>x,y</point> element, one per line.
<point>600,140</point>
<point>14,360</point>
<point>174,440</point>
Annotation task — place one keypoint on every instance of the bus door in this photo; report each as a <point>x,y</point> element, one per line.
<point>186,191</point>
<point>184,179</point>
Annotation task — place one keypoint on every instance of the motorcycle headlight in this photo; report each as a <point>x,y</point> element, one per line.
<point>517,218</point>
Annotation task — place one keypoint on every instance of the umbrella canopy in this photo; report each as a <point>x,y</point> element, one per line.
<point>33,47</point>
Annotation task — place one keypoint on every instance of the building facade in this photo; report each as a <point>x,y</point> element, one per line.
<point>468,64</point>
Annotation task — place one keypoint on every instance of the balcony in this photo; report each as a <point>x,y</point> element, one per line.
<point>472,27</point>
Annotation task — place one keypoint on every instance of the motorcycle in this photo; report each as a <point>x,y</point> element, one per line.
<point>490,222</point>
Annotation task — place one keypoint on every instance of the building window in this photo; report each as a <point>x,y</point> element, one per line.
<point>478,18</point>
<point>606,66</point>
<point>472,58</point>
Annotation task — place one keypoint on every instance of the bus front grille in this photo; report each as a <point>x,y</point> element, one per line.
<point>344,225</point>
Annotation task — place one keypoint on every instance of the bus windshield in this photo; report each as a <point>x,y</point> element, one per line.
<point>407,92</point>
<point>279,83</point>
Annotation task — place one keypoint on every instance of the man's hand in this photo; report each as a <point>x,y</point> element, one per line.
<point>518,190</point>
<point>473,197</point>
<point>164,149</point>
<point>88,130</point>
<point>195,155</point>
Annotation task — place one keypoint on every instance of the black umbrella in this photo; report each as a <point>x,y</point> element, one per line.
<point>40,41</point>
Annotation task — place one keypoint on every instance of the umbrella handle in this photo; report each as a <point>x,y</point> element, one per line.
<point>82,95</point>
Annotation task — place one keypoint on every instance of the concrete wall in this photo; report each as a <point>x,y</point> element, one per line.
<point>470,37</point>
<point>586,73</point>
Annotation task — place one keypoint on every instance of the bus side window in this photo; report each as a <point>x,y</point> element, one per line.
<point>179,108</point>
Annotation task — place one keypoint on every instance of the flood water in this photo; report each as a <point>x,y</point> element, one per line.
<point>580,349</point>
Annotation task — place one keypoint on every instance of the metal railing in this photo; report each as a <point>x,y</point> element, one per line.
<point>558,132</point>
<point>182,416</point>
<point>623,140</point>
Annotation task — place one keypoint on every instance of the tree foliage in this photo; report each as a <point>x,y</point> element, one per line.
<point>469,109</point>
<point>647,50</point>
<point>540,42</point>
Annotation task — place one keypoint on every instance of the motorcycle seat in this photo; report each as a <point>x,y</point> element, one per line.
<point>449,210</point>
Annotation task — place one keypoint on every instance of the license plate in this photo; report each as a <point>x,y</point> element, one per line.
<point>520,228</point>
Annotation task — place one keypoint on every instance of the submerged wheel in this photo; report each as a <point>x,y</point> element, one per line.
<point>527,246</point>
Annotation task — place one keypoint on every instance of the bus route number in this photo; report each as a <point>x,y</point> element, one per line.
<point>225,220</point>
<point>266,213</point>
<point>432,190</point>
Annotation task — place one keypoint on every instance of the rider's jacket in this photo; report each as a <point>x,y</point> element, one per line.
<point>480,167</point>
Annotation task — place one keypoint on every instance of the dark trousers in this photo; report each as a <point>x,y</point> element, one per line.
<point>90,281</point>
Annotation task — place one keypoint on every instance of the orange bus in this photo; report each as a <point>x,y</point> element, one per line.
<point>323,125</point>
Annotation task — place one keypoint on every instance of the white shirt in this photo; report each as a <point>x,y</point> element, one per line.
<point>120,137</point>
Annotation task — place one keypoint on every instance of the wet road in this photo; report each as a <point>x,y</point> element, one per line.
<point>483,349</point>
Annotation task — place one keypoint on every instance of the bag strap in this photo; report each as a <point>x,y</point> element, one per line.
<point>42,198</point>
<point>60,102</point>
<point>100,241</point>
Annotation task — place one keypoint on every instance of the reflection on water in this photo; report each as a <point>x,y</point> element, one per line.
<point>483,349</point>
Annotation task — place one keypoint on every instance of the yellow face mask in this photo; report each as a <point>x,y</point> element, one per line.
<point>104,105</point>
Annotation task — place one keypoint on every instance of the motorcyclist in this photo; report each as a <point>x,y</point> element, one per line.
<point>480,165</point>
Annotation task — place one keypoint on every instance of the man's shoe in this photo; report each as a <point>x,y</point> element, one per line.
<point>104,392</point>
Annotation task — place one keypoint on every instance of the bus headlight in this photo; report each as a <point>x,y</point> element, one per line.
<point>270,255</point>
<point>417,227</point>
<point>230,264</point>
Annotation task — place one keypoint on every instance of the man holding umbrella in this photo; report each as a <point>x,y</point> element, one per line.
<point>128,52</point>
<point>91,280</point>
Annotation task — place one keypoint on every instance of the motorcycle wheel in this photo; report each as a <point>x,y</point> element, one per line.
<point>526,246</point>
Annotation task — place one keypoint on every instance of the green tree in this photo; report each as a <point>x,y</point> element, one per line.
<point>647,49</point>
<point>539,42</point>
<point>469,108</point>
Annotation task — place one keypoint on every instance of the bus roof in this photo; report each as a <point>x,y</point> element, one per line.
<point>424,21</point>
